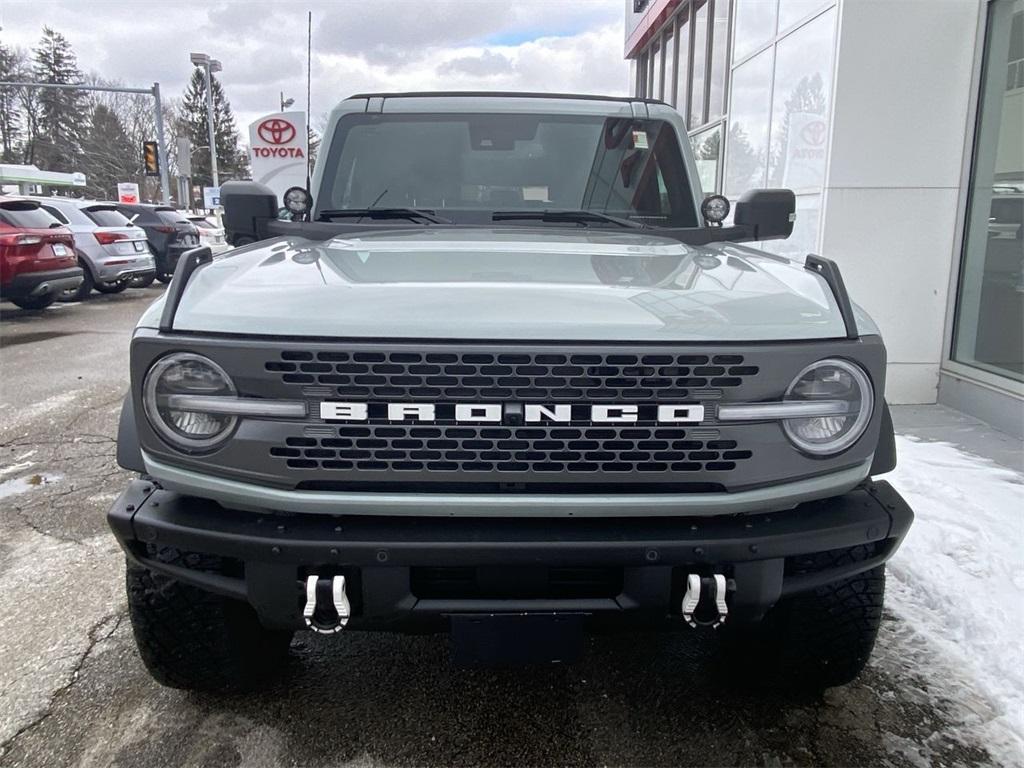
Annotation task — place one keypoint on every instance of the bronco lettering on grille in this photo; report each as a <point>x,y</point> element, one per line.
<point>498,413</point>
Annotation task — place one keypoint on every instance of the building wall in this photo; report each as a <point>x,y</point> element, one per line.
<point>861,107</point>
<point>900,113</point>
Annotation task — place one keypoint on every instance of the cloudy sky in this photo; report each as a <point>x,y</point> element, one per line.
<point>358,45</point>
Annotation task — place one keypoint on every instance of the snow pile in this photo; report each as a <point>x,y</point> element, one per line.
<point>958,579</point>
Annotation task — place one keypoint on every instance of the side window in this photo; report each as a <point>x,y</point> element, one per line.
<point>55,213</point>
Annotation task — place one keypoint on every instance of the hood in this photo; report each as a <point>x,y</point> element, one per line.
<point>525,283</point>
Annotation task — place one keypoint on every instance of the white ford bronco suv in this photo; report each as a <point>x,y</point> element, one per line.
<point>506,373</point>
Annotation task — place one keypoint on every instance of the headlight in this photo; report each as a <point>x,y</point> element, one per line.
<point>183,373</point>
<point>836,381</point>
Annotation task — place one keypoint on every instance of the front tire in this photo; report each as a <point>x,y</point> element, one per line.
<point>114,287</point>
<point>164,277</point>
<point>814,640</point>
<point>82,292</point>
<point>199,641</point>
<point>142,282</point>
<point>35,302</point>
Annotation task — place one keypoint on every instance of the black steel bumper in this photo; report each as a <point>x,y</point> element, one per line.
<point>413,574</point>
<point>28,284</point>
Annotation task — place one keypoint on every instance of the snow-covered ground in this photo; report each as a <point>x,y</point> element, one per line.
<point>958,579</point>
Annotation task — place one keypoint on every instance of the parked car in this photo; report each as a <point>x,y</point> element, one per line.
<point>210,233</point>
<point>111,250</point>
<point>37,255</point>
<point>510,375</point>
<point>169,234</point>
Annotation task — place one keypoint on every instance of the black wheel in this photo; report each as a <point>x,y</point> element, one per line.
<point>814,640</point>
<point>164,277</point>
<point>115,287</point>
<point>199,641</point>
<point>81,292</point>
<point>143,281</point>
<point>35,302</point>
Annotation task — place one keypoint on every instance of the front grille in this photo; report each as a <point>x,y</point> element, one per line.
<point>534,449</point>
<point>520,376</point>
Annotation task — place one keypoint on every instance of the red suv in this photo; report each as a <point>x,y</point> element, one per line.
<point>37,255</point>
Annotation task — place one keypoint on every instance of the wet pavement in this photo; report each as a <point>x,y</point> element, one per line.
<point>73,691</point>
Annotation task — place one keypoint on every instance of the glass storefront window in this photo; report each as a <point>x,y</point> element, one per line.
<point>719,59</point>
<point>989,323</point>
<point>792,11</point>
<point>804,239</point>
<point>656,69</point>
<point>670,65</point>
<point>707,149</point>
<point>755,26</point>
<point>642,82</point>
<point>746,155</point>
<point>683,74</point>
<point>800,108</point>
<point>699,65</point>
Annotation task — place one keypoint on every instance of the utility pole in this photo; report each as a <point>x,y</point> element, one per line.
<point>209,67</point>
<point>165,185</point>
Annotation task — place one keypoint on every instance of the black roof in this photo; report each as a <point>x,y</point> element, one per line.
<point>503,95</point>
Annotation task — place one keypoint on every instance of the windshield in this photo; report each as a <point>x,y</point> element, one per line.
<point>458,162</point>
<point>170,216</point>
<point>107,217</point>
<point>27,216</point>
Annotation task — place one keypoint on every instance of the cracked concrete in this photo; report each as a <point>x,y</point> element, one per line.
<point>73,690</point>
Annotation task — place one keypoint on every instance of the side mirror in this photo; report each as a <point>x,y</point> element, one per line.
<point>769,213</point>
<point>247,208</point>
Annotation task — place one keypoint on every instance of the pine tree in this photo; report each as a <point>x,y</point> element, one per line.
<point>10,120</point>
<point>62,112</point>
<point>108,154</point>
<point>231,161</point>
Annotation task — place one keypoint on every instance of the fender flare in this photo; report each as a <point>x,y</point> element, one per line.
<point>885,451</point>
<point>129,454</point>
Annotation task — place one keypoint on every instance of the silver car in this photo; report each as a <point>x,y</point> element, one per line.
<point>111,251</point>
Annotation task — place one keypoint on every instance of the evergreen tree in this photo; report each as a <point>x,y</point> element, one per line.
<point>232,163</point>
<point>108,154</point>
<point>62,112</point>
<point>10,120</point>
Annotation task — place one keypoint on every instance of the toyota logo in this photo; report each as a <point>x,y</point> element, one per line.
<point>276,131</point>
<point>813,133</point>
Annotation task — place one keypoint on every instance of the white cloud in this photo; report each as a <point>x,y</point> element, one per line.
<point>388,45</point>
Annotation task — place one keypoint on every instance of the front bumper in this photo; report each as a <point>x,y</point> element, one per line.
<point>414,574</point>
<point>31,284</point>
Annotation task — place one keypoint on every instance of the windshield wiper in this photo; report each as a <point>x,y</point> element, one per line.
<point>560,216</point>
<point>383,213</point>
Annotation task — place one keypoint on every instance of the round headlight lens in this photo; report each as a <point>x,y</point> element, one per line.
<point>184,373</point>
<point>832,380</point>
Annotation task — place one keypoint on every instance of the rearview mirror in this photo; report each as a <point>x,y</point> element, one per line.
<point>769,213</point>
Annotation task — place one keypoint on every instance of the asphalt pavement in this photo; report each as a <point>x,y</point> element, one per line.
<point>73,690</point>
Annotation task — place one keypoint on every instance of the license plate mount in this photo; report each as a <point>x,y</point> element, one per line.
<point>512,639</point>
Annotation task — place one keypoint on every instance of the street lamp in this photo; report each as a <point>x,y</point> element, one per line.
<point>285,103</point>
<point>209,67</point>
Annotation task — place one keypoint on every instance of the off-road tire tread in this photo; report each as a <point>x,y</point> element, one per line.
<point>818,639</point>
<point>196,640</point>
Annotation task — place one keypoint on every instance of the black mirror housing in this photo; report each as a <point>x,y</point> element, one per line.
<point>768,213</point>
<point>248,206</point>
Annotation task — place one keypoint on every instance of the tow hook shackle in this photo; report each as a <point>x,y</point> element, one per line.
<point>710,588</point>
<point>314,614</point>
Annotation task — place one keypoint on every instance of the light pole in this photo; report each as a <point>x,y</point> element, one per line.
<point>285,103</point>
<point>209,67</point>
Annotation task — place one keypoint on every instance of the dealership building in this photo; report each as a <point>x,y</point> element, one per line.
<point>899,124</point>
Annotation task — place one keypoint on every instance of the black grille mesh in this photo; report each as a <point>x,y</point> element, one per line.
<point>533,449</point>
<point>520,377</point>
